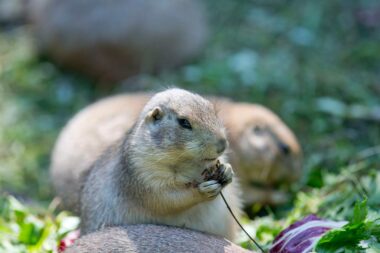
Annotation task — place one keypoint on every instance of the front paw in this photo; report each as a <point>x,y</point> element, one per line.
<point>225,173</point>
<point>210,189</point>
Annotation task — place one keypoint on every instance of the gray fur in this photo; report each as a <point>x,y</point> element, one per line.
<point>139,180</point>
<point>152,238</point>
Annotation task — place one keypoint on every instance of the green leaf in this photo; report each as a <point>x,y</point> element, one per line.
<point>348,237</point>
<point>30,233</point>
<point>374,228</point>
<point>360,212</point>
<point>351,236</point>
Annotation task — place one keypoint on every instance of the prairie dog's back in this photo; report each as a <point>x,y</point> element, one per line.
<point>85,137</point>
<point>152,238</point>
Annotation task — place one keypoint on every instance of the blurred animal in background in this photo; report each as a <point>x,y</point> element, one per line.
<point>152,238</point>
<point>263,150</point>
<point>112,40</point>
<point>12,12</point>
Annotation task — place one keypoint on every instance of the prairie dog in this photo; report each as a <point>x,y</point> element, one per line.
<point>263,150</point>
<point>85,137</point>
<point>154,174</point>
<point>110,41</point>
<point>152,238</point>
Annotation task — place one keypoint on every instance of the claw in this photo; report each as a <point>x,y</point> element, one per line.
<point>226,173</point>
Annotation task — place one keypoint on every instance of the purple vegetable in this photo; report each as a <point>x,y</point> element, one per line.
<point>301,236</point>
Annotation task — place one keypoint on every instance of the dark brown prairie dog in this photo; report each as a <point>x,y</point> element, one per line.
<point>155,173</point>
<point>152,238</point>
<point>263,150</point>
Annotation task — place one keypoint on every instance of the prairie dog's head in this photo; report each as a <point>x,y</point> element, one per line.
<point>264,147</point>
<point>180,131</point>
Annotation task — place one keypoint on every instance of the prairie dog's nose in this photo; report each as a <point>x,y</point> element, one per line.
<point>221,145</point>
<point>285,149</point>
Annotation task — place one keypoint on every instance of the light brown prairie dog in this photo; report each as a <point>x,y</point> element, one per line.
<point>155,173</point>
<point>85,137</point>
<point>263,150</point>
<point>152,238</point>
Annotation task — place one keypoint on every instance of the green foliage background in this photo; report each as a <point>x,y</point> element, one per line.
<point>315,63</point>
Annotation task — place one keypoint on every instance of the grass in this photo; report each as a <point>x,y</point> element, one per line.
<point>315,63</point>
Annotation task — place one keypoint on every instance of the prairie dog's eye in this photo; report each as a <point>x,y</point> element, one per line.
<point>184,123</point>
<point>258,130</point>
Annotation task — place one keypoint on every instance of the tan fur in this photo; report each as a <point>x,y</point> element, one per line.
<point>85,137</point>
<point>97,126</point>
<point>257,135</point>
<point>254,159</point>
<point>154,173</point>
<point>152,238</point>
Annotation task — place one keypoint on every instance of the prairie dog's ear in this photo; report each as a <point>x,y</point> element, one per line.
<point>155,114</point>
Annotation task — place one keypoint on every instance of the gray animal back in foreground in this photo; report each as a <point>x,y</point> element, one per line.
<point>152,238</point>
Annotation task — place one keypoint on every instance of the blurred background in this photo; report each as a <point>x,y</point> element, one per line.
<point>315,63</point>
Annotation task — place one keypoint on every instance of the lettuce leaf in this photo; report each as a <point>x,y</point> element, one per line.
<point>356,236</point>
